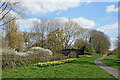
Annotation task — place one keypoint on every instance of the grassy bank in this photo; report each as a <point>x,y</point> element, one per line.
<point>84,67</point>
<point>112,61</point>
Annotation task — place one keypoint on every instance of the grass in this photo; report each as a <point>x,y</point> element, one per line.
<point>82,68</point>
<point>112,61</point>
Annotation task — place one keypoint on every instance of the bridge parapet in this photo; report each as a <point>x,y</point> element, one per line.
<point>67,51</point>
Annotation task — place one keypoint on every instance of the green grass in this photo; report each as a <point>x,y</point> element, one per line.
<point>112,61</point>
<point>83,68</point>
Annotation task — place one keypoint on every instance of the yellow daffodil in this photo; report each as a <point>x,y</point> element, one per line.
<point>89,56</point>
<point>57,62</point>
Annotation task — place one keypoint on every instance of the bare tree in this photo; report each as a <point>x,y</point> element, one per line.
<point>40,29</point>
<point>70,30</point>
<point>84,34</point>
<point>8,7</point>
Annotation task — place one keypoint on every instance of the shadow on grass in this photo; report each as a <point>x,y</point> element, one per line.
<point>117,63</point>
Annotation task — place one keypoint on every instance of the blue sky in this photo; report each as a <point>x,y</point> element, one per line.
<point>101,16</point>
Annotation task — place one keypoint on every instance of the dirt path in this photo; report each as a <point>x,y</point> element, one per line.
<point>107,68</point>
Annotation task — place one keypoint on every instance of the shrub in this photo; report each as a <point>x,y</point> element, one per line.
<point>13,63</point>
<point>72,55</point>
<point>13,59</point>
<point>12,53</point>
<point>10,62</point>
<point>85,47</point>
<point>58,54</point>
<point>41,51</point>
<point>35,51</point>
<point>23,53</point>
<point>58,58</point>
<point>8,51</point>
<point>115,51</point>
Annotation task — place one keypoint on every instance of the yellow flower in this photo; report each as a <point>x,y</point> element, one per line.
<point>57,62</point>
<point>89,56</point>
<point>39,63</point>
<point>50,62</point>
<point>42,63</point>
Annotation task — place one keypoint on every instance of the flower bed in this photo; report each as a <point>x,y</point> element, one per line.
<point>89,56</point>
<point>84,56</point>
<point>13,62</point>
<point>43,64</point>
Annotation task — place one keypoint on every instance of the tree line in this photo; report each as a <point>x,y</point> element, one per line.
<point>52,34</point>
<point>55,35</point>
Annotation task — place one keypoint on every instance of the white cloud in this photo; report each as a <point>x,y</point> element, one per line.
<point>60,19</point>
<point>36,6</point>
<point>26,23</point>
<point>85,23</point>
<point>111,8</point>
<point>44,6</point>
<point>59,12</point>
<point>108,27</point>
<point>68,0</point>
<point>89,1</point>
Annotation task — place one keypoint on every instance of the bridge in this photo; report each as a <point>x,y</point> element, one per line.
<point>67,51</point>
<point>77,51</point>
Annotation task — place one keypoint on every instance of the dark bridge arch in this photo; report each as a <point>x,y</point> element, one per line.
<point>67,51</point>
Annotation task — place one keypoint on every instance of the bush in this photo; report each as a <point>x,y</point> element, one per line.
<point>13,62</point>
<point>58,54</point>
<point>115,51</point>
<point>58,58</point>
<point>34,51</point>
<point>8,51</point>
<point>13,59</point>
<point>12,53</point>
<point>72,55</point>
<point>85,47</point>
<point>88,49</point>
<point>41,51</point>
